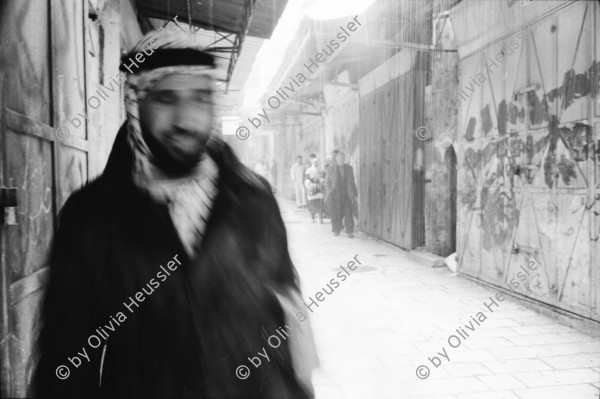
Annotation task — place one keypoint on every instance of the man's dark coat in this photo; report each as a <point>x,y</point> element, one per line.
<point>331,181</point>
<point>188,336</point>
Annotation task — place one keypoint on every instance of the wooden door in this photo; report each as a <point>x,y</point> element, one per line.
<point>42,87</point>
<point>451,168</point>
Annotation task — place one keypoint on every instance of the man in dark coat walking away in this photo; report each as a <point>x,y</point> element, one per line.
<point>170,272</point>
<point>341,195</point>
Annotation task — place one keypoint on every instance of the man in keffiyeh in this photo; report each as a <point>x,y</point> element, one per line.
<point>121,322</point>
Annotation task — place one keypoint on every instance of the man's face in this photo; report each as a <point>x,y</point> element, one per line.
<point>340,158</point>
<point>176,118</point>
<point>299,159</point>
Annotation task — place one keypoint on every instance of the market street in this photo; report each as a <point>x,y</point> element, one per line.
<point>393,313</point>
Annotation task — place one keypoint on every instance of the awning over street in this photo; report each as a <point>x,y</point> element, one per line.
<point>222,25</point>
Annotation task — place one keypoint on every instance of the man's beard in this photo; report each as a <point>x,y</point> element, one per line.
<point>167,162</point>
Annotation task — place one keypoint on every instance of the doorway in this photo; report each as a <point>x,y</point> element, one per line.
<point>451,168</point>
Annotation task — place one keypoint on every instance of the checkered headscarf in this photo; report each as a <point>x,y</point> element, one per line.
<point>189,198</point>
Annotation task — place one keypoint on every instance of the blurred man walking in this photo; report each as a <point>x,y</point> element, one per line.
<point>172,268</point>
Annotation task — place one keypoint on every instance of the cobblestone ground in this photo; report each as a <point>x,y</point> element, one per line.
<point>392,313</point>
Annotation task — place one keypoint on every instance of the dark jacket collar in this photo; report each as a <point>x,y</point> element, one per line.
<point>117,175</point>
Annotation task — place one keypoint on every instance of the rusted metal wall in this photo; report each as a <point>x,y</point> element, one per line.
<point>528,148</point>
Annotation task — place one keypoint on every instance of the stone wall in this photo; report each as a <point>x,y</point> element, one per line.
<point>441,111</point>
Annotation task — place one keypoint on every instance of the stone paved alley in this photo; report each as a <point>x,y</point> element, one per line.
<point>393,312</point>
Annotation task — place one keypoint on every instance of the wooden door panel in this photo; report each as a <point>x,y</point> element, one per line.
<point>29,168</point>
<point>24,322</point>
<point>68,73</point>
<point>35,208</point>
<point>28,140</point>
<point>35,100</point>
<point>25,58</point>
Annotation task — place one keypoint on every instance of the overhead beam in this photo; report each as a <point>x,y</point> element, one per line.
<point>298,113</point>
<point>160,14</point>
<point>223,37</point>
<point>413,46</point>
<point>340,84</point>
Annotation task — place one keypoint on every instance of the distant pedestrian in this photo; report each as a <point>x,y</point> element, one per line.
<point>314,190</point>
<point>328,163</point>
<point>297,174</point>
<point>307,164</point>
<point>341,195</point>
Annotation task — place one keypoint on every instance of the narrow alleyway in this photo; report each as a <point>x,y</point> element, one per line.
<point>392,313</point>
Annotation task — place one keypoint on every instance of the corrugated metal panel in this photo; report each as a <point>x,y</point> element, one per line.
<point>392,161</point>
<point>220,15</point>
<point>243,67</point>
<point>221,26</point>
<point>528,174</point>
<point>389,182</point>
